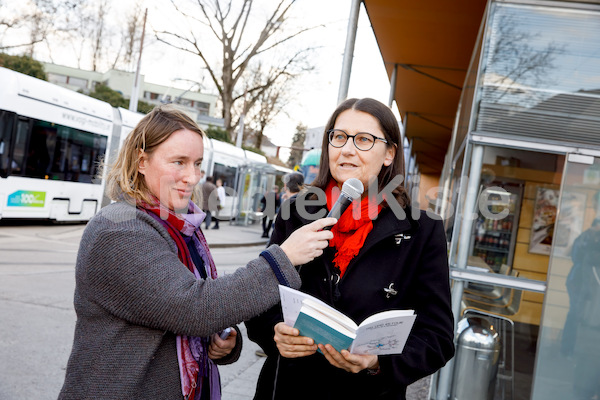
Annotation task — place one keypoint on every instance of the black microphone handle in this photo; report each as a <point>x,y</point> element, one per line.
<point>342,203</point>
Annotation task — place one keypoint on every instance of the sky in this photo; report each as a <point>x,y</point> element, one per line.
<point>316,99</point>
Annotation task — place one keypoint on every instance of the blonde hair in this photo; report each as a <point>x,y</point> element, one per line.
<point>124,182</point>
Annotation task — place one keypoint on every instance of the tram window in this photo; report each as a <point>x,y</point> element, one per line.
<point>18,156</point>
<point>6,121</point>
<point>38,153</point>
<point>77,155</point>
<point>51,151</point>
<point>226,174</point>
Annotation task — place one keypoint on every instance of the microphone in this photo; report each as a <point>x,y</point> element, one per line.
<point>352,189</point>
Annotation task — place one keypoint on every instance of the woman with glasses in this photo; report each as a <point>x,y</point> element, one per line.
<point>382,258</point>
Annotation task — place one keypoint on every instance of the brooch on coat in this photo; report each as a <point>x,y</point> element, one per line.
<point>398,238</point>
<point>390,291</point>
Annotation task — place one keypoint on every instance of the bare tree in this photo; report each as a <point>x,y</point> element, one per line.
<point>240,46</point>
<point>114,39</point>
<point>38,30</point>
<point>131,34</point>
<point>98,33</point>
<point>79,22</point>
<point>269,104</point>
<point>34,18</point>
<point>297,146</point>
<point>54,22</point>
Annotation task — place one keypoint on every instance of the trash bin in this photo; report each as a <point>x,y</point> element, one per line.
<point>476,361</point>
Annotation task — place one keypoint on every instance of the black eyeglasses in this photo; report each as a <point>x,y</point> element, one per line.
<point>363,141</point>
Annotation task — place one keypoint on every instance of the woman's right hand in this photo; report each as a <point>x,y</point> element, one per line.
<point>290,344</point>
<point>307,243</point>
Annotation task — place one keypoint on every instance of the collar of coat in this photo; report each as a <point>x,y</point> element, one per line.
<point>384,226</point>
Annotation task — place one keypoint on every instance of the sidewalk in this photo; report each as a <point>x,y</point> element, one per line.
<point>229,235</point>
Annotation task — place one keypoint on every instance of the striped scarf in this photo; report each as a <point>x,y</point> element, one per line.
<point>195,367</point>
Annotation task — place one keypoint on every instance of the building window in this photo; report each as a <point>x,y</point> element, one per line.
<point>78,82</point>
<point>150,95</point>
<point>57,78</point>
<point>203,108</point>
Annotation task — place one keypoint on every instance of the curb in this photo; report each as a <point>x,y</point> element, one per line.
<point>226,245</point>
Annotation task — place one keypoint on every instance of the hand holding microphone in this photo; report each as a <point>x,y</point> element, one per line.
<point>352,189</point>
<point>308,242</point>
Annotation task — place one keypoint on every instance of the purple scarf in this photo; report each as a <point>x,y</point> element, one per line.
<point>195,368</point>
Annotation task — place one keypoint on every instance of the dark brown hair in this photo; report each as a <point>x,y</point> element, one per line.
<point>391,129</point>
<point>294,181</point>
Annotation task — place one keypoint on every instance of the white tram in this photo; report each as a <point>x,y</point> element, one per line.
<point>52,141</point>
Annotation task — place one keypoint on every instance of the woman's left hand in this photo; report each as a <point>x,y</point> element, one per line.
<point>219,348</point>
<point>349,362</point>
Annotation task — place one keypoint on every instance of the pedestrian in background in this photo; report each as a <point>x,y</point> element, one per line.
<point>149,305</point>
<point>208,204</point>
<point>377,261</point>
<point>293,183</point>
<point>221,197</point>
<point>269,205</point>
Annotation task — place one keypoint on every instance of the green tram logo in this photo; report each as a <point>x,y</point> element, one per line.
<point>26,198</point>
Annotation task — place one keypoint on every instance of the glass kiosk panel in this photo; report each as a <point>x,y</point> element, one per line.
<point>568,356</point>
<point>500,245</point>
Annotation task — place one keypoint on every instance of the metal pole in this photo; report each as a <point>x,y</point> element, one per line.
<point>393,85</point>
<point>463,256</point>
<point>410,145</point>
<point>349,50</point>
<point>240,135</point>
<point>133,100</point>
<point>443,202</point>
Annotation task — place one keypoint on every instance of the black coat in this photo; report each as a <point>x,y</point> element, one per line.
<point>409,254</point>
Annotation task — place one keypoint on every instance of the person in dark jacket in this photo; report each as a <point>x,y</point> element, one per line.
<point>209,200</point>
<point>383,256</point>
<point>269,205</point>
<point>293,183</point>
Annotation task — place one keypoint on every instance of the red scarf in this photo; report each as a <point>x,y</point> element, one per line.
<point>351,230</point>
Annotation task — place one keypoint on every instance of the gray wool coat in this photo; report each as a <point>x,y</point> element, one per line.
<point>133,297</point>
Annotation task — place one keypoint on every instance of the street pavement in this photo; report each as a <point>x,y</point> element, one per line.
<point>37,319</point>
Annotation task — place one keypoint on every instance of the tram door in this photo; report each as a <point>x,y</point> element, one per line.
<point>253,180</point>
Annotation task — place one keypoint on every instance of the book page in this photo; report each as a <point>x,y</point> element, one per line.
<point>384,333</point>
<point>326,320</point>
<point>387,315</point>
<point>291,302</point>
<point>310,324</point>
<point>331,314</point>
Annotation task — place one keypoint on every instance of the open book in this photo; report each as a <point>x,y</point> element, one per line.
<point>383,333</point>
